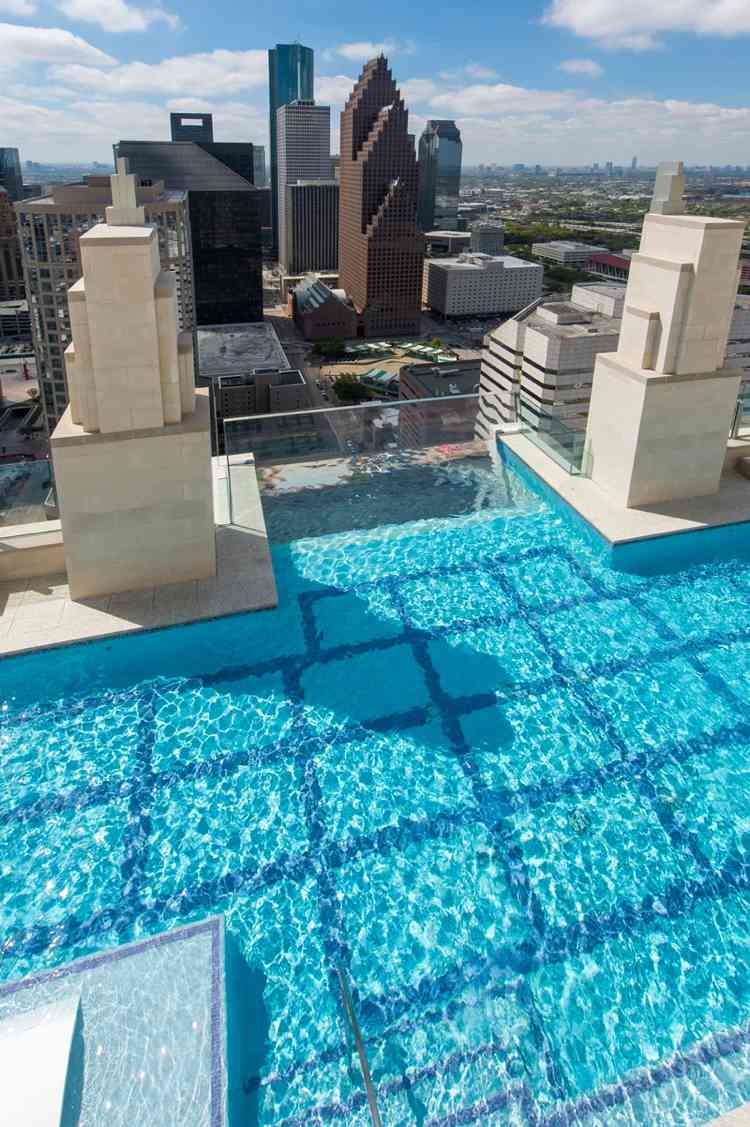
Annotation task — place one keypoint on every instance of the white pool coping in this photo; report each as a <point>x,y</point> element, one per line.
<point>39,613</point>
<point>731,505</point>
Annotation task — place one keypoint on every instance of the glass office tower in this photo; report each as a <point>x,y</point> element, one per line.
<point>10,174</point>
<point>439,176</point>
<point>290,79</point>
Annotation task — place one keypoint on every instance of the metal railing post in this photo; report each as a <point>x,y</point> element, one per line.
<point>346,1001</point>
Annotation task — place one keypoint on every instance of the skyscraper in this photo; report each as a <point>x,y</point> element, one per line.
<point>11,268</point>
<point>50,230</point>
<point>381,249</point>
<point>225,221</point>
<point>311,227</point>
<point>10,174</point>
<point>439,176</point>
<point>303,140</point>
<point>191,126</point>
<point>290,79</point>
<point>259,166</point>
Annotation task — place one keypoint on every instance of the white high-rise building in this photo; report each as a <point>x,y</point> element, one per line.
<point>303,137</point>
<point>539,365</point>
<point>476,284</point>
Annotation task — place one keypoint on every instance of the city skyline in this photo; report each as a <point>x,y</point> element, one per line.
<point>570,76</point>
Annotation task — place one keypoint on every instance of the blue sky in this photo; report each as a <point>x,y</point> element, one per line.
<point>548,81</point>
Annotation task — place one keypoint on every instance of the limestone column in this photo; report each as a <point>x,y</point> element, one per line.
<point>662,405</point>
<point>132,452</point>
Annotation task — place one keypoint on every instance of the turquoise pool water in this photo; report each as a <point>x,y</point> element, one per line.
<point>504,786</point>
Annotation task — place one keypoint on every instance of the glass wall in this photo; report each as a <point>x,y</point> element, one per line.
<point>346,468</point>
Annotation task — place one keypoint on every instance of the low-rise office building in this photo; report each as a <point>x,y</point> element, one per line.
<point>540,364</point>
<point>565,252</point>
<point>289,282</point>
<point>473,284</point>
<point>446,242</point>
<point>322,313</point>
<point>488,238</point>
<point>614,266</point>
<point>248,373</point>
<point>424,424</point>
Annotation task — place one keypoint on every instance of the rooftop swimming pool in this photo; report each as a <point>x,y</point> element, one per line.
<point>503,786</point>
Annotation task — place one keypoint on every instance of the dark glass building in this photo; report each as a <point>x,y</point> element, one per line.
<point>10,174</point>
<point>191,126</point>
<point>225,220</point>
<point>439,176</point>
<point>290,79</point>
<point>381,249</point>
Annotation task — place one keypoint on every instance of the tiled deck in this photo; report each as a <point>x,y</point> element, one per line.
<point>738,1118</point>
<point>619,526</point>
<point>39,613</point>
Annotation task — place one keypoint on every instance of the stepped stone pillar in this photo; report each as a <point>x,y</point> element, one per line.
<point>132,453</point>
<point>662,405</point>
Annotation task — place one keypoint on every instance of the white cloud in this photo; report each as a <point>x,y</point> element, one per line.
<point>500,98</point>
<point>586,67</point>
<point>22,46</point>
<point>636,24</point>
<point>116,15</point>
<point>477,71</point>
<point>18,7</point>
<point>212,74</point>
<point>419,90</point>
<point>363,50</point>
<point>333,89</point>
<point>480,72</point>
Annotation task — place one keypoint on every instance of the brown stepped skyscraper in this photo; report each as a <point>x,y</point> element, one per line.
<point>381,249</point>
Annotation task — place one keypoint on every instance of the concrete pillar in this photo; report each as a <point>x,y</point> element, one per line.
<point>662,405</point>
<point>132,453</point>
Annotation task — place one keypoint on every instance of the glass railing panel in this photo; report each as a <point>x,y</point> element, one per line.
<point>551,434</point>
<point>24,491</point>
<point>741,420</point>
<point>368,428</point>
<point>345,469</point>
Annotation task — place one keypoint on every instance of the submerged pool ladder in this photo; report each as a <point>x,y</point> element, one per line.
<point>346,1001</point>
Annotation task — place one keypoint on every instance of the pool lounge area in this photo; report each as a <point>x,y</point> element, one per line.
<point>494,780</point>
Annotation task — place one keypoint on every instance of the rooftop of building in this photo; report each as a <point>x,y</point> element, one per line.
<point>574,321</point>
<point>312,292</point>
<point>569,319</point>
<point>475,260</point>
<point>225,350</point>
<point>439,233</point>
<point>97,190</point>
<point>569,244</point>
<point>615,290</point>
<point>284,378</point>
<point>458,378</point>
<point>611,260</point>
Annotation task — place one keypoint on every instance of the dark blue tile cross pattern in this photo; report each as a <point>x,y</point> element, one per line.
<point>490,780</point>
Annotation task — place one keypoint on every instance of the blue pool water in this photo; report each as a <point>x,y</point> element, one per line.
<point>504,786</point>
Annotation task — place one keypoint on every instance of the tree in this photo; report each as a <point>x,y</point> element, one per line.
<point>332,347</point>
<point>436,343</point>
<point>348,389</point>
